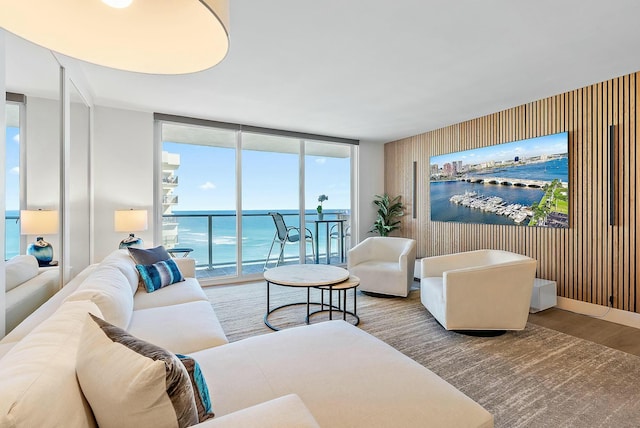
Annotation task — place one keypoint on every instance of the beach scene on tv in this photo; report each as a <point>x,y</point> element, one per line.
<point>519,183</point>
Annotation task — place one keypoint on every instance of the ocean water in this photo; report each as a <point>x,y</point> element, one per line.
<point>258,231</point>
<point>444,210</point>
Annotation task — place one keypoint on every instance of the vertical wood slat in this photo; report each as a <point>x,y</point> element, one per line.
<point>591,260</point>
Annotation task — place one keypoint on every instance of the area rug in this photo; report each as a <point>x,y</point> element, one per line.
<point>534,378</point>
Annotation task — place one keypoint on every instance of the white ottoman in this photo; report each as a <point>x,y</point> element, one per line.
<point>544,295</point>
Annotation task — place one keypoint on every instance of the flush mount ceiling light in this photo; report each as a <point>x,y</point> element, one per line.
<point>148,36</point>
<point>118,3</point>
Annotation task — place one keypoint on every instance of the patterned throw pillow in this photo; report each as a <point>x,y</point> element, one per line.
<point>200,389</point>
<point>159,275</point>
<point>132,383</point>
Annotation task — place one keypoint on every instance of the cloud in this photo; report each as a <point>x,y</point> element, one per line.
<point>15,170</point>
<point>207,186</point>
<point>321,161</point>
<point>16,138</point>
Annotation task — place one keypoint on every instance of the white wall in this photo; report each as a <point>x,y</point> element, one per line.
<point>370,182</point>
<point>122,173</point>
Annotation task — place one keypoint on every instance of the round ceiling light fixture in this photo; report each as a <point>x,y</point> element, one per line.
<point>149,36</point>
<point>118,4</point>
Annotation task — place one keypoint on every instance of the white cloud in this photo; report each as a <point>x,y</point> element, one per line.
<point>207,186</point>
<point>16,138</point>
<point>321,161</point>
<point>15,170</point>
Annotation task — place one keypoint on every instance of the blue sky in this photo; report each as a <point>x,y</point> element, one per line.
<point>549,144</point>
<point>13,169</point>
<point>270,180</point>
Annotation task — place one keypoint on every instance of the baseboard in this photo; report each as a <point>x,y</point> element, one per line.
<point>617,316</point>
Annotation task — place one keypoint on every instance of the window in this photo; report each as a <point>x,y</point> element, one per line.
<point>12,168</point>
<point>210,172</point>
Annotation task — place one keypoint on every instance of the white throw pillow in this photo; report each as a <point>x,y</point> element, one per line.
<point>38,384</point>
<point>20,269</point>
<point>108,288</point>
<point>121,260</point>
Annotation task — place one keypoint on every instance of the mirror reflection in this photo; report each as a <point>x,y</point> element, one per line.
<point>32,171</point>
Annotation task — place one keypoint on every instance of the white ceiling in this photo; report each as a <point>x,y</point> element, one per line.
<point>377,70</point>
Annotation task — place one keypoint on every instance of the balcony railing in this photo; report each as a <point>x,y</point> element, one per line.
<point>170,199</point>
<point>213,239</point>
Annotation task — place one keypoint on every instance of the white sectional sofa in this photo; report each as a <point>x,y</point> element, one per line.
<point>27,287</point>
<point>330,374</point>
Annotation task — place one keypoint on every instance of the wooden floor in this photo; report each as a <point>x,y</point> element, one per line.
<point>606,333</point>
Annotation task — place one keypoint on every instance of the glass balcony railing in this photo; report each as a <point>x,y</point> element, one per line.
<point>213,239</point>
<point>12,236</point>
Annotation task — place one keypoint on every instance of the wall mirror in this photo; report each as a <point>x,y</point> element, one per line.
<point>32,170</point>
<point>77,185</point>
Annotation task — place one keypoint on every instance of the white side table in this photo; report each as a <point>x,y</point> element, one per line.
<point>544,295</point>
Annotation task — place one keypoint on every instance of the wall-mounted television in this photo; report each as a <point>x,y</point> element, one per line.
<point>519,183</point>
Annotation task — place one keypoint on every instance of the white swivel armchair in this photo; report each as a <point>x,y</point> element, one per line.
<point>478,290</point>
<point>384,265</point>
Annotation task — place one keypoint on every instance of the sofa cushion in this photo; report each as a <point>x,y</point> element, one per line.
<point>199,385</point>
<point>23,300</point>
<point>48,308</point>
<point>159,275</point>
<point>108,288</point>
<point>288,411</point>
<point>149,256</point>
<point>186,291</point>
<point>20,269</point>
<point>129,382</point>
<point>38,385</point>
<point>330,366</point>
<point>183,328</point>
<point>122,260</point>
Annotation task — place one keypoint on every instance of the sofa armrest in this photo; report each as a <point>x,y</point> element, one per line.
<point>436,266</point>
<point>284,412</point>
<point>360,253</point>
<point>498,292</point>
<point>187,266</point>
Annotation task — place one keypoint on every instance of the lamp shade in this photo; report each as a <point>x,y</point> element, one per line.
<point>38,222</point>
<point>130,220</point>
<point>148,36</point>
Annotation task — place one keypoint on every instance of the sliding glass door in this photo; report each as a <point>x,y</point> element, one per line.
<point>208,173</point>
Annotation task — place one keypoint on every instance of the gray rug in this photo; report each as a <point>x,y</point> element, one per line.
<point>534,378</point>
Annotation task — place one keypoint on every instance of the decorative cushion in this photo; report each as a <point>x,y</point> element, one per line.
<point>108,288</point>
<point>122,260</point>
<point>159,275</point>
<point>149,256</point>
<point>132,383</point>
<point>20,269</point>
<point>38,385</point>
<point>199,385</point>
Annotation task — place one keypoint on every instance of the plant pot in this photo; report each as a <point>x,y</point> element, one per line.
<point>320,216</point>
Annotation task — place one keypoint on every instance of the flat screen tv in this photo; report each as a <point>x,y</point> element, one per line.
<point>519,183</point>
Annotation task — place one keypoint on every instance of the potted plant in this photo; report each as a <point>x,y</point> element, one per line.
<point>389,212</point>
<point>321,199</point>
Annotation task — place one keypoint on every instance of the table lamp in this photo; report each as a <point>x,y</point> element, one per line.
<point>39,222</point>
<point>130,221</point>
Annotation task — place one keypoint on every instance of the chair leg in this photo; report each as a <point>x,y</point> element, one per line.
<point>281,255</point>
<point>266,262</point>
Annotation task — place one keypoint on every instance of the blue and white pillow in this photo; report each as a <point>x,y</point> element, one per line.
<point>159,274</point>
<point>200,389</point>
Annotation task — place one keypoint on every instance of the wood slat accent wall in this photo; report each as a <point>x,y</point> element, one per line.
<point>592,260</point>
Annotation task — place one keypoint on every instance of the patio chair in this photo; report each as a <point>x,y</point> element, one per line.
<point>286,235</point>
<point>334,234</point>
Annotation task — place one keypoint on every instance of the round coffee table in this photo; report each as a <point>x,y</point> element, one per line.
<point>305,276</point>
